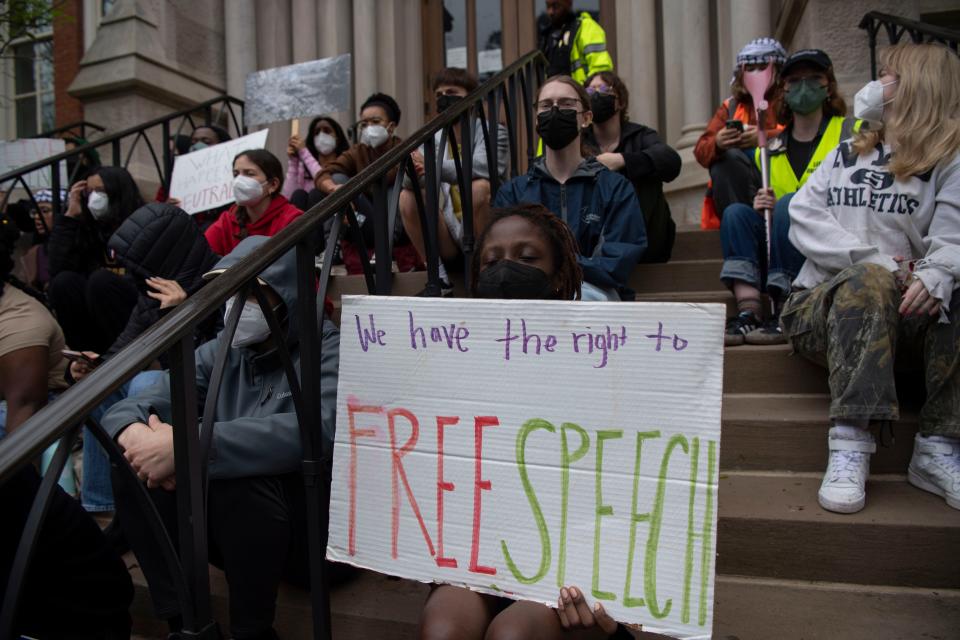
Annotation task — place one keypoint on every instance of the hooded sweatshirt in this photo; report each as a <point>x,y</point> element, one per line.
<point>601,209</point>
<point>162,241</point>
<point>224,234</point>
<point>256,431</point>
<point>852,210</point>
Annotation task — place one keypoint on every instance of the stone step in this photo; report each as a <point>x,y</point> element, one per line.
<point>720,296</point>
<point>763,432</point>
<point>677,275</point>
<point>771,526</point>
<point>373,606</point>
<point>692,243</point>
<point>770,370</point>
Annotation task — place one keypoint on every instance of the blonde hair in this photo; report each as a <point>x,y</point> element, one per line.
<point>926,120</point>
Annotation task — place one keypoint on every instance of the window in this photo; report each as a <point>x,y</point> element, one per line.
<point>33,87</point>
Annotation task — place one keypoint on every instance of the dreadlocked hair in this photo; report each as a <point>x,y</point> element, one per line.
<point>568,275</point>
<point>9,234</point>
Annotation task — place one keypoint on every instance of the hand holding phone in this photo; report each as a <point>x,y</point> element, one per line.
<point>735,124</point>
<point>89,358</point>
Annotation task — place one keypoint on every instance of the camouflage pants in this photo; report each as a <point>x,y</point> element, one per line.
<point>851,325</point>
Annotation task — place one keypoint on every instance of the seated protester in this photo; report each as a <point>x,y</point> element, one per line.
<point>726,149</point>
<point>879,225</point>
<point>306,159</point>
<point>813,113</point>
<point>165,253</point>
<point>89,296</point>
<point>637,153</point>
<point>36,260</point>
<point>379,118</point>
<point>256,511</point>
<point>75,586</point>
<point>599,205</point>
<point>525,253</point>
<point>450,85</point>
<point>260,209</point>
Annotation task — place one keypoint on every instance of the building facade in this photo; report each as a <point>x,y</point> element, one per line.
<point>118,63</point>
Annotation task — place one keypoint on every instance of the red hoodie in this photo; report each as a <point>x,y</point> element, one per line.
<point>224,234</point>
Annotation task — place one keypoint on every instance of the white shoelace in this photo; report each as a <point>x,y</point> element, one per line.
<point>847,468</point>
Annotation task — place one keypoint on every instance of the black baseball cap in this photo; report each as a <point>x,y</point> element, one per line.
<point>812,56</point>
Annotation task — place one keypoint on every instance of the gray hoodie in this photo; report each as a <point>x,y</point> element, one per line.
<point>255,423</point>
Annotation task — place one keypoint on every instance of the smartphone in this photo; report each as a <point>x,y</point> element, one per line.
<point>77,355</point>
<point>735,124</point>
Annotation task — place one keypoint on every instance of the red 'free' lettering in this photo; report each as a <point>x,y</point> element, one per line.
<point>353,408</point>
<point>398,472</point>
<point>479,484</point>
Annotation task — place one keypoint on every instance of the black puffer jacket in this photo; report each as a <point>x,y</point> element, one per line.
<point>161,240</point>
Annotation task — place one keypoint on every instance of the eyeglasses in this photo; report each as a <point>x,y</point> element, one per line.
<point>562,103</point>
<point>602,89</point>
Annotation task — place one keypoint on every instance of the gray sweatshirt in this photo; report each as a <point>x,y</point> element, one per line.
<point>852,210</point>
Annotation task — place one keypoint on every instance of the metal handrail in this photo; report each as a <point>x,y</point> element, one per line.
<point>173,335</point>
<point>896,27</point>
<point>83,125</point>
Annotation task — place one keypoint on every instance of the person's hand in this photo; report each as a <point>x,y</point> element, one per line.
<point>727,139</point>
<point>75,199</point>
<point>764,200</point>
<point>174,201</point>
<point>918,301</point>
<point>149,450</point>
<point>749,137</point>
<point>79,369</point>
<point>576,614</point>
<point>612,161</point>
<point>418,164</point>
<point>168,292</point>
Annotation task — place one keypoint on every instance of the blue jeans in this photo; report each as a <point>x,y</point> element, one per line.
<point>96,494</point>
<point>744,240</point>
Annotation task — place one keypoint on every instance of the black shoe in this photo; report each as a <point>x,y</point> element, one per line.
<point>738,327</point>
<point>769,333</point>
<point>445,290</point>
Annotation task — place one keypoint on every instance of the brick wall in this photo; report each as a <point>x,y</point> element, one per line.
<point>67,52</point>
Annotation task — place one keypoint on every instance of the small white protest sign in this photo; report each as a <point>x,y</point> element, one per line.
<point>203,179</point>
<point>515,446</point>
<point>20,153</point>
<point>298,90</point>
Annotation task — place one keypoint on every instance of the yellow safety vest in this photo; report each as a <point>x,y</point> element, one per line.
<point>783,180</point>
<point>589,54</point>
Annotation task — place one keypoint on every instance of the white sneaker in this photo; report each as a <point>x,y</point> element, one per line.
<point>843,488</point>
<point>935,467</point>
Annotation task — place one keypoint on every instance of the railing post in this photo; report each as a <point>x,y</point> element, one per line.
<point>382,239</point>
<point>431,210</point>
<point>316,459</point>
<point>115,152</point>
<point>466,195</point>
<point>191,510</point>
<point>55,191</point>
<point>167,165</point>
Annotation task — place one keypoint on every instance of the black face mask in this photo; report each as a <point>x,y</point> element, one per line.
<point>444,102</point>
<point>603,106</point>
<point>557,127</point>
<point>511,280</point>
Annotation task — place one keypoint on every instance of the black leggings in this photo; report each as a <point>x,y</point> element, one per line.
<point>92,309</point>
<point>257,534</point>
<point>735,178</point>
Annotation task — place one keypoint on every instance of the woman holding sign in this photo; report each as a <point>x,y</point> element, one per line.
<point>260,208</point>
<point>306,159</point>
<point>526,252</point>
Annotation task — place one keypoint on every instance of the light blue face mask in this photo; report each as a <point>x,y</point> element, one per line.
<point>196,146</point>
<point>252,328</point>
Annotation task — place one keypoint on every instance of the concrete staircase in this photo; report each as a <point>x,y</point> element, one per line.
<point>786,568</point>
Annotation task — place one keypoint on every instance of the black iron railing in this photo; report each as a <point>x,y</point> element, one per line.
<point>897,28</point>
<point>120,147</point>
<point>510,93</point>
<point>81,129</point>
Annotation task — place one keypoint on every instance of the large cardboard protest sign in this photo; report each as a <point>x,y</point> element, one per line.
<point>20,153</point>
<point>516,446</point>
<point>298,91</point>
<point>203,179</point>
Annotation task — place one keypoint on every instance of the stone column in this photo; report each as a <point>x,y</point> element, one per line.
<point>697,107</point>
<point>365,34</point>
<point>637,58</point>
<point>274,50</point>
<point>240,38</point>
<point>335,36</point>
<point>304,26</point>
<point>749,19</point>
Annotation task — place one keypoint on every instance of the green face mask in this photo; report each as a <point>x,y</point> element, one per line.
<point>805,96</point>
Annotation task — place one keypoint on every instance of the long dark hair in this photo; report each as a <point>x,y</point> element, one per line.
<point>123,192</point>
<point>271,167</point>
<point>567,275</point>
<point>342,143</point>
